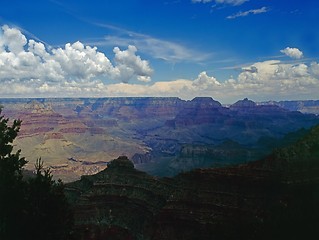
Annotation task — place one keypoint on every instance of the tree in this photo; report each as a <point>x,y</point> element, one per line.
<point>11,184</point>
<point>35,208</point>
<point>49,212</point>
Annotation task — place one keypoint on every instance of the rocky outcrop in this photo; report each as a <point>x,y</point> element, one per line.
<point>119,197</point>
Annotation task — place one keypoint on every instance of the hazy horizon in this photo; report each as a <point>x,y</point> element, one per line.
<point>224,49</point>
<point>223,103</point>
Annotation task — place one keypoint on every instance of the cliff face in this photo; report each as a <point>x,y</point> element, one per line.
<point>135,108</point>
<point>221,203</point>
<point>307,106</point>
<point>163,136</point>
<point>276,197</point>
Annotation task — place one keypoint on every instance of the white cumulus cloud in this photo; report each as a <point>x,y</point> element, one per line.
<point>13,40</point>
<point>203,81</point>
<point>30,63</point>
<point>131,64</point>
<point>29,69</point>
<point>292,52</point>
<point>267,80</point>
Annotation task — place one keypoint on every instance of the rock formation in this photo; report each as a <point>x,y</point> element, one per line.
<point>275,197</point>
<point>156,133</point>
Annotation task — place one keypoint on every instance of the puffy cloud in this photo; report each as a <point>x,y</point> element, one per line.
<point>277,80</point>
<point>23,61</point>
<point>28,69</point>
<point>132,64</point>
<point>260,81</point>
<point>203,81</point>
<point>292,52</point>
<point>249,12</point>
<point>13,39</point>
<point>265,80</point>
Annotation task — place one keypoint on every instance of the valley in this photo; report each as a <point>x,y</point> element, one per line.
<point>162,136</point>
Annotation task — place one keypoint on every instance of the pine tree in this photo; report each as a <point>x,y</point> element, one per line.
<point>48,210</point>
<point>12,200</point>
<point>29,209</point>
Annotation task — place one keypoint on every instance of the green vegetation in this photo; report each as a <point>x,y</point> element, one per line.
<point>33,208</point>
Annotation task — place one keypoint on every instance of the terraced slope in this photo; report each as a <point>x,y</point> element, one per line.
<point>273,198</point>
<point>162,136</point>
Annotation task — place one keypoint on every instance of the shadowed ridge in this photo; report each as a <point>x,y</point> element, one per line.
<point>257,200</point>
<point>119,197</point>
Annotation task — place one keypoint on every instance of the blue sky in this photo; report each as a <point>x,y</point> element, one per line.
<point>226,49</point>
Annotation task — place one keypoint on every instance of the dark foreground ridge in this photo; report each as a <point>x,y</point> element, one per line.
<point>273,198</point>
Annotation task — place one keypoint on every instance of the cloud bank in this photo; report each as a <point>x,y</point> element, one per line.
<point>29,69</point>
<point>268,80</point>
<point>28,62</point>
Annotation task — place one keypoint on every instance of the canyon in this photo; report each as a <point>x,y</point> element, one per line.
<point>162,136</point>
<point>165,168</point>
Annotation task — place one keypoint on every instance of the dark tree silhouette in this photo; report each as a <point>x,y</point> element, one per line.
<point>35,208</point>
<point>48,210</point>
<point>12,199</point>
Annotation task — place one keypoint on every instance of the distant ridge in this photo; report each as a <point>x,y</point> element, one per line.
<point>304,106</point>
<point>163,136</point>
